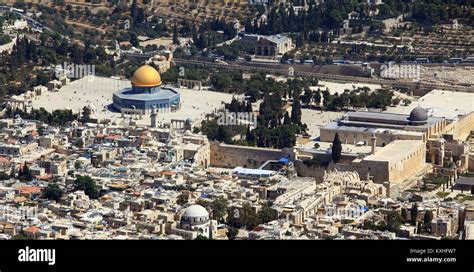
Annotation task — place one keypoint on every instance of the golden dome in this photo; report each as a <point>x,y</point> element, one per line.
<point>146,76</point>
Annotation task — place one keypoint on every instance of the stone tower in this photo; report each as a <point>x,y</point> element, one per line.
<point>153,117</point>
<point>373,143</point>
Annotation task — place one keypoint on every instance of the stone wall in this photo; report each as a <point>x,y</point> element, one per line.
<point>383,171</point>
<point>462,128</point>
<point>471,163</point>
<point>304,170</point>
<point>202,156</point>
<point>230,156</point>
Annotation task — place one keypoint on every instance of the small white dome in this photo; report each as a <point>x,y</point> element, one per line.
<point>195,211</point>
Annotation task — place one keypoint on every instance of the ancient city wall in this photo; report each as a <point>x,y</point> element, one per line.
<point>409,166</point>
<point>309,171</point>
<point>462,128</point>
<point>230,156</point>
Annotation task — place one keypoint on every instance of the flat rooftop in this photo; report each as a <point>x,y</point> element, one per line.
<point>346,148</point>
<point>396,151</point>
<point>441,104</point>
<point>336,125</point>
<point>253,172</point>
<point>383,119</point>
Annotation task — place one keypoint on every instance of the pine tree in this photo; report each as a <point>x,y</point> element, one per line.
<point>287,119</point>
<point>175,34</point>
<point>336,149</point>
<point>296,111</point>
<point>249,135</point>
<point>195,35</point>
<point>428,218</point>
<point>134,10</point>
<point>414,214</point>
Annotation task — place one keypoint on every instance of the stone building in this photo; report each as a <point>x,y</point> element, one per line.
<point>272,46</point>
<point>359,127</point>
<point>393,164</point>
<point>146,94</point>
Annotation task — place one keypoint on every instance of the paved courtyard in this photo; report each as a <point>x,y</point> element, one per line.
<point>97,93</point>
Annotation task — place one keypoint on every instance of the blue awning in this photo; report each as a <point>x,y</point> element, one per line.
<point>284,160</point>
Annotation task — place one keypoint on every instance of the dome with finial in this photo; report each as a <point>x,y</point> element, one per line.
<point>418,115</point>
<point>146,76</point>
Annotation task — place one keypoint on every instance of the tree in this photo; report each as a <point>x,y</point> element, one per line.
<point>219,208</point>
<point>134,9</point>
<point>249,217</point>
<point>414,213</point>
<point>134,39</point>
<point>404,215</point>
<point>317,97</point>
<point>25,174</point>
<point>244,216</point>
<point>86,184</point>
<point>267,214</point>
<point>183,198</point>
<point>4,176</point>
<point>336,149</point>
<point>53,192</point>
<point>427,220</point>
<point>394,221</point>
<point>287,119</point>
<point>296,111</point>
<point>232,233</point>
<point>13,172</point>
<point>419,228</point>
<point>250,136</point>
<point>175,34</point>
<point>77,164</point>
<point>43,79</point>
<point>307,97</point>
<point>205,203</point>
<point>80,143</point>
<point>202,238</point>
<point>86,114</point>
<point>428,217</point>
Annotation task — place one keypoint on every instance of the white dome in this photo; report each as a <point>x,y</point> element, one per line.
<point>195,211</point>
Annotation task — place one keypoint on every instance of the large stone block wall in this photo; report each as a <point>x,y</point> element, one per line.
<point>309,171</point>
<point>383,171</point>
<point>230,156</point>
<point>462,128</point>
<point>409,165</point>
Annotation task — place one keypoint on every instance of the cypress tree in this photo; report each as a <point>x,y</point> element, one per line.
<point>336,149</point>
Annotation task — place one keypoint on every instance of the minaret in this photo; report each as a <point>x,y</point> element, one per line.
<point>153,117</point>
<point>373,143</point>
